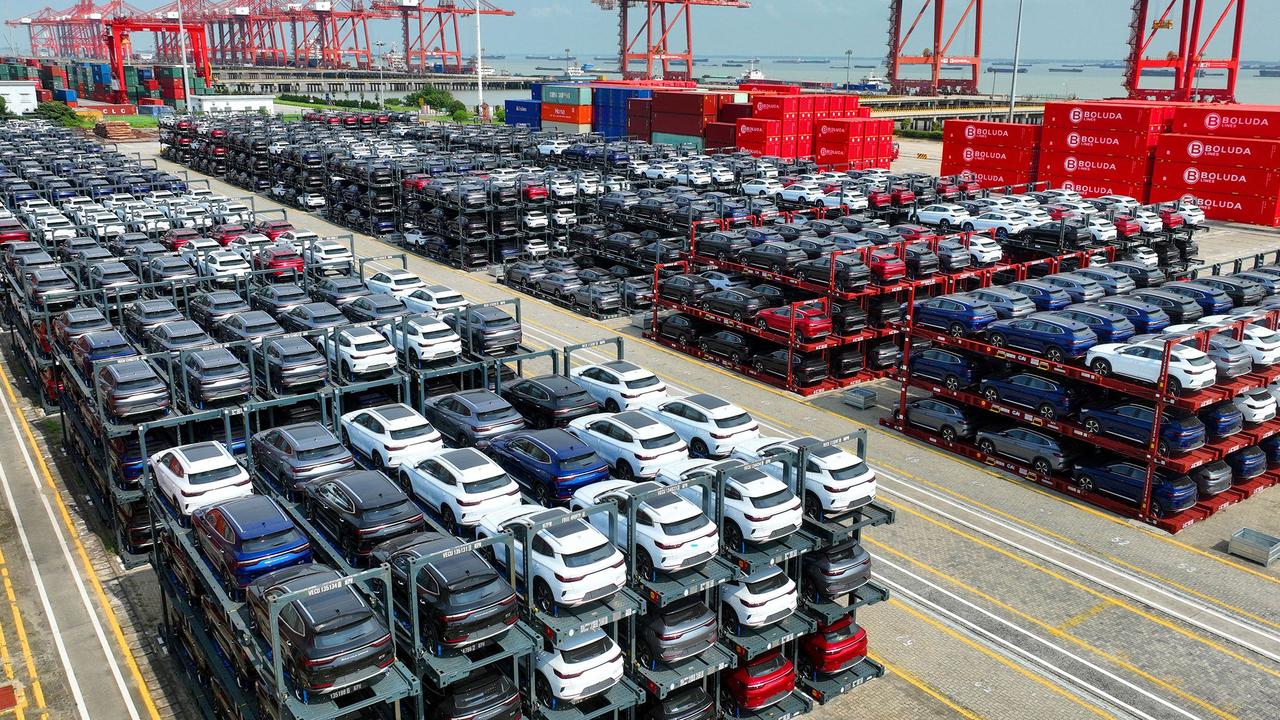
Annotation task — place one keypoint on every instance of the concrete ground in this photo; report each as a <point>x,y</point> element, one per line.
<point>1008,601</point>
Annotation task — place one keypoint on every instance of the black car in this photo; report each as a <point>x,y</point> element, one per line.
<point>288,363</point>
<point>805,369</point>
<point>740,304</point>
<point>684,329</point>
<point>779,257</point>
<point>277,298</point>
<point>815,246</point>
<point>463,603</point>
<point>211,308</point>
<point>726,343</point>
<point>1241,291</point>
<point>690,702</point>
<point>213,375</point>
<point>660,251</point>
<point>594,274</point>
<point>758,235</point>
<point>1069,233</point>
<point>722,245</point>
<point>339,290</point>
<point>312,316</point>
<point>549,400</point>
<point>377,306</point>
<point>851,273</point>
<point>141,316</point>
<point>921,261</point>
<point>329,639</point>
<point>484,694</point>
<point>685,289</point>
<point>622,243</point>
<point>1179,308</point>
<point>1142,276</point>
<point>486,330</point>
<point>359,509</point>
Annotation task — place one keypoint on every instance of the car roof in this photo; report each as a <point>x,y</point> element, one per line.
<point>254,516</point>
<point>308,435</point>
<point>203,452</point>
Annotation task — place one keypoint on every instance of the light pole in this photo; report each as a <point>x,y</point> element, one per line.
<point>182,56</point>
<point>848,65</point>
<point>479,69</point>
<point>382,66</point>
<point>1017,45</point>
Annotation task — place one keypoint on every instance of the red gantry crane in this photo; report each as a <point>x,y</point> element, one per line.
<point>76,32</point>
<point>660,28</point>
<point>938,55</point>
<point>430,29</point>
<point>119,47</point>
<point>1185,64</point>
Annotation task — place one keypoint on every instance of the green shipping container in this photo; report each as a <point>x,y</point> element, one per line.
<point>566,94</point>
<point>678,140</point>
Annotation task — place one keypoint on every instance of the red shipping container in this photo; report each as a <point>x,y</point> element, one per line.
<point>807,103</point>
<point>1013,158</point>
<point>1104,116</point>
<point>1197,178</point>
<point>1055,166</point>
<point>1241,121</point>
<point>775,107</point>
<point>678,124</point>
<point>769,87</point>
<point>1219,151</point>
<point>1095,187</point>
<point>840,131</point>
<point>731,112</point>
<point>721,135</point>
<point>1231,208</point>
<point>999,134</point>
<point>833,154</point>
<point>757,132</point>
<point>987,177</point>
<point>578,114</point>
<point>639,126</point>
<point>1099,142</point>
<point>639,106</point>
<point>705,104</point>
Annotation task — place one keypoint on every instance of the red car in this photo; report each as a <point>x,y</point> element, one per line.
<point>273,228</point>
<point>810,321</point>
<point>1171,219</point>
<point>947,189</point>
<point>1126,226</point>
<point>759,683</point>
<point>281,258</point>
<point>912,233</point>
<point>224,234</point>
<point>902,196</point>
<point>885,265</point>
<point>416,181</point>
<point>177,238</point>
<point>833,648</point>
<point>12,230</point>
<point>879,198</point>
<point>534,190</point>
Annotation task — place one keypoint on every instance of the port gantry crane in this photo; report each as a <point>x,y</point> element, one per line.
<point>430,29</point>
<point>1188,62</point>
<point>659,27</point>
<point>938,56</point>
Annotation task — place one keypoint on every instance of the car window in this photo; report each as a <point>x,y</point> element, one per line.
<point>541,547</point>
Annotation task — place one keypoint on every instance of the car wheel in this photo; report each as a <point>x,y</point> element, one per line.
<point>623,468</point>
<point>737,315</point>
<point>987,447</point>
<point>1092,426</point>
<point>762,324</point>
<point>644,655</point>
<point>1085,482</point>
<point>1055,354</point>
<point>735,357</point>
<point>1101,367</point>
<point>447,520</point>
<point>698,448</point>
<point>813,506</point>
<point>611,405</point>
<point>943,224</point>
<point>542,596</point>
<point>947,433</point>
<point>1046,411</point>
<point>998,340</point>
<point>952,383</point>
<point>955,329</point>
<point>1174,385</point>
<point>544,692</point>
<point>1163,448</point>
<point>967,227</point>
<point>1002,233</point>
<point>732,535</point>
<point>991,394</point>
<point>644,564</point>
<point>1041,466</point>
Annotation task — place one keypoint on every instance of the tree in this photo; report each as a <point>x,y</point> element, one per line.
<point>435,98</point>
<point>460,115</point>
<point>500,114</point>
<point>62,114</point>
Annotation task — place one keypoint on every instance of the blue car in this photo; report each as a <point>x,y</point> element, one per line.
<point>1180,431</point>
<point>1145,317</point>
<point>103,345</point>
<point>549,465</point>
<point>1050,398</point>
<point>1222,420</point>
<point>1044,295</point>
<point>1110,327</point>
<point>1247,463</point>
<point>1270,284</point>
<point>1210,299</point>
<point>1056,338</point>
<point>953,370</point>
<point>957,314</point>
<point>1271,446</point>
<point>1170,494</point>
<point>248,537</point>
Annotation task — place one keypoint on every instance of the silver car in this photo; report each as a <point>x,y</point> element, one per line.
<point>676,632</point>
<point>1042,452</point>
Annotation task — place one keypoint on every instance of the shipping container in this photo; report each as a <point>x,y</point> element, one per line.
<point>569,128</point>
<point>721,135</point>
<point>775,107</point>
<point>679,124</point>
<point>734,111</point>
<point>1099,142</point>
<point>1101,115</point>
<point>1057,166</point>
<point>575,114</point>
<point>1002,158</point>
<point>1240,121</point>
<point>1219,151</point>
<point>566,94</point>
<point>1253,181</point>
<point>998,134</point>
<point>705,104</point>
<point>1225,207</point>
<point>988,177</point>
<point>678,139</point>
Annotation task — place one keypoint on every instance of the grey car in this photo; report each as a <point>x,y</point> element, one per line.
<point>1042,452</point>
<point>836,571</point>
<point>142,315</point>
<point>167,268</point>
<point>339,290</point>
<point>1112,282</point>
<point>131,389</point>
<point>954,256</point>
<point>472,417</point>
<point>676,632</point>
<point>598,296</point>
<point>378,306</point>
<point>211,308</point>
<point>950,421</point>
<point>251,327</point>
<point>1078,287</point>
<point>293,454</point>
<point>1007,303</point>
<point>312,316</point>
<point>174,337</point>
<point>213,375</point>
<point>277,298</point>
<point>1230,357</point>
<point>486,330</point>
<point>562,285</point>
<point>290,362</point>
<point>525,273</point>
<point>1211,478</point>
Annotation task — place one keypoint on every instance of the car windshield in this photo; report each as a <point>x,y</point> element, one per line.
<point>1199,361</point>
<point>488,484</point>
<point>271,541</point>
<point>135,385</point>
<point>688,525</point>
<point>657,442</point>
<point>437,334</point>
<point>362,626</point>
<point>586,652</point>
<point>474,589</point>
<point>773,499</point>
<point>222,370</point>
<point>850,472</point>
<point>842,633</point>
<point>211,476</point>
<point>385,511</point>
<point>735,421</point>
<point>497,414</point>
<point>370,345</point>
<point>586,557</point>
<point>318,453</point>
<point>644,382</point>
<point>580,462</point>
<point>775,581</point>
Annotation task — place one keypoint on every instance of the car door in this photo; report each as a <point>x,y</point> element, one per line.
<point>366,433</point>
<point>1133,423</point>
<point>1135,361</point>
<point>434,484</point>
<point>329,498</point>
<point>269,457</point>
<point>599,435</point>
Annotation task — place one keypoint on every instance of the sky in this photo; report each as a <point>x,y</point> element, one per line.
<point>1052,29</point>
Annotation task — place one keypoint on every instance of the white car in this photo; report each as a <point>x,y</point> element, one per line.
<point>1257,405</point>
<point>1121,203</point>
<point>328,255</point>
<point>711,426</point>
<point>835,481</point>
<point>1190,213</point>
<point>1060,195</point>
<point>801,192</point>
<point>849,198</point>
<point>721,174</point>
<point>396,283</point>
<point>944,215</point>
<point>223,266</point>
<point>193,476</point>
<point>390,435</point>
<point>1148,221</point>
<point>1145,255</point>
<point>632,443</point>
<point>459,485</point>
<point>435,299</point>
<point>757,508</point>
<point>1078,208</point>
<point>1262,342</point>
<point>1189,368</point>
<point>1034,217</point>
<point>553,147</point>
<point>985,250</point>
<point>423,339</point>
<point>589,185</point>
<point>761,599</point>
<point>581,666</point>
<point>573,563</point>
<point>359,351</point>
<point>694,177</point>
<point>1003,222</point>
<point>248,244</point>
<point>534,219</point>
<point>564,217</point>
<point>761,186</point>
<point>671,534</point>
<point>1102,229</point>
<point>1022,202</point>
<point>620,385</point>
<point>198,247</point>
<point>562,188</point>
<point>298,238</point>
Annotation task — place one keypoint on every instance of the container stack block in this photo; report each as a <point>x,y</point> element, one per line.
<point>996,154</point>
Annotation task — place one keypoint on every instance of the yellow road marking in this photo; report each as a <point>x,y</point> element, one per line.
<point>923,687</point>
<point>1101,596</point>
<point>107,611</point>
<point>1083,616</point>
<point>21,629</point>
<point>1003,660</point>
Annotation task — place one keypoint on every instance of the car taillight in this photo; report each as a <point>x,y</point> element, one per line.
<point>562,578</point>
<point>832,573</point>
<point>757,518</point>
<point>666,546</point>
<point>567,676</point>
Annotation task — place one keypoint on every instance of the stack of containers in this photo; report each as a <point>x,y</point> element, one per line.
<point>524,112</point>
<point>640,118</point>
<point>843,143</point>
<point>566,108</point>
<point>783,109</point>
<point>1228,157</point>
<point>681,118</point>
<point>609,108</point>
<point>1102,148</point>
<point>759,136</point>
<point>997,154</point>
<point>171,87</point>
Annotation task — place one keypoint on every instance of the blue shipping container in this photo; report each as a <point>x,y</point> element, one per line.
<point>536,91</point>
<point>65,95</point>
